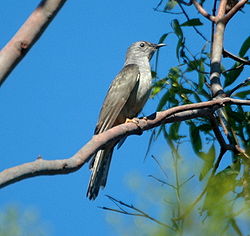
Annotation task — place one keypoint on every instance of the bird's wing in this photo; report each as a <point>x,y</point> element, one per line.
<point>117,96</point>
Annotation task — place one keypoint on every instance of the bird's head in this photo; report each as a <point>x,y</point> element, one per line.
<point>142,49</point>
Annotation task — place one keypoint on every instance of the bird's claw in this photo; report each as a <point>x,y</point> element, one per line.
<point>134,120</point>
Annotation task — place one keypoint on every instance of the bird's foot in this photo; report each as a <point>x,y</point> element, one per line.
<point>134,120</point>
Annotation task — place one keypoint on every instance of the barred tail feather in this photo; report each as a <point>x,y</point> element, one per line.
<point>99,167</point>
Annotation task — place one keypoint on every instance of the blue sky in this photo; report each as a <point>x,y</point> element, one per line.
<point>50,104</point>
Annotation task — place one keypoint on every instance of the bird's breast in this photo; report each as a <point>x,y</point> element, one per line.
<point>138,97</point>
<point>144,88</point>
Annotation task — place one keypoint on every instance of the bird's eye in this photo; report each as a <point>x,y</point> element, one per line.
<point>142,45</point>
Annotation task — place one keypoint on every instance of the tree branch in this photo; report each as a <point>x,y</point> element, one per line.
<point>65,166</point>
<point>236,58</point>
<point>27,35</point>
<point>215,126</point>
<point>221,10</point>
<point>216,50</point>
<point>234,10</point>
<point>215,72</point>
<point>202,11</point>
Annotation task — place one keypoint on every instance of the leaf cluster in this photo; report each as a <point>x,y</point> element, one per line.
<point>226,192</point>
<point>188,82</point>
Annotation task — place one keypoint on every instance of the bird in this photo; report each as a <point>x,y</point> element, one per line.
<point>124,100</point>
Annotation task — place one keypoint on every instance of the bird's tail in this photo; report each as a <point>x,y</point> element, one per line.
<point>99,167</point>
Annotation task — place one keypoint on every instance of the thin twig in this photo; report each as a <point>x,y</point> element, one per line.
<point>187,17</point>
<point>162,181</point>
<point>177,190</point>
<point>158,163</point>
<point>140,212</point>
<point>234,57</point>
<point>197,69</point>
<point>234,10</point>
<point>198,199</point>
<point>158,5</point>
<point>191,207</point>
<point>202,11</point>
<point>186,180</point>
<point>224,148</point>
<point>185,3</point>
<point>168,12</point>
<point>244,83</point>
<point>232,69</point>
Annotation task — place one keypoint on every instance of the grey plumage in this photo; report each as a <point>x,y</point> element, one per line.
<point>126,97</point>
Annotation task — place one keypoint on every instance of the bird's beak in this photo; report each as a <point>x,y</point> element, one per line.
<point>159,45</point>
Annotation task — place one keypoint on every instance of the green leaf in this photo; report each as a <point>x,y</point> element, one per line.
<point>150,142</point>
<point>174,74</point>
<point>208,162</point>
<point>163,101</point>
<point>232,75</point>
<point>202,91</point>
<point>166,136</point>
<point>158,86</point>
<point>195,137</point>
<point>197,97</point>
<point>163,37</point>
<point>174,130</point>
<point>201,76</point>
<point>205,127</point>
<point>170,5</point>
<point>172,98</point>
<point>242,94</point>
<point>219,185</point>
<point>193,65</point>
<point>155,90</point>
<point>244,48</point>
<point>234,116</point>
<point>153,74</point>
<point>178,31</point>
<point>205,94</point>
<point>192,22</point>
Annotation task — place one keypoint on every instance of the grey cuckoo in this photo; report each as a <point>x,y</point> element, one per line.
<point>126,97</point>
